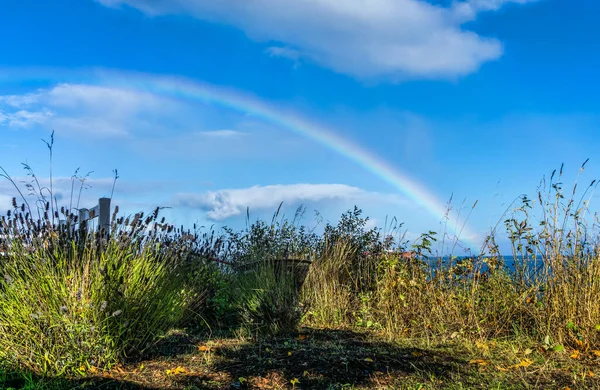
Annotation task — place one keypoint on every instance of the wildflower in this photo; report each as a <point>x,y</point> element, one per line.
<point>117,313</point>
<point>103,305</point>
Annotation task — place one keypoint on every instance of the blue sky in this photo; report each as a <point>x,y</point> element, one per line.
<point>475,98</point>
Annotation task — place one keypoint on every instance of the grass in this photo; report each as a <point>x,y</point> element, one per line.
<point>153,306</point>
<point>66,309</point>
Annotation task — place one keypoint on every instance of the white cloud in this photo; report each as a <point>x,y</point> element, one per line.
<point>394,39</point>
<point>82,109</point>
<point>19,100</point>
<point>103,99</point>
<point>469,9</point>
<point>285,52</point>
<point>223,204</point>
<point>220,133</point>
<point>113,108</point>
<point>24,118</point>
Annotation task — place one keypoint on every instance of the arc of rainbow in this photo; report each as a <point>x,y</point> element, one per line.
<point>328,138</point>
<point>187,89</point>
<point>317,133</point>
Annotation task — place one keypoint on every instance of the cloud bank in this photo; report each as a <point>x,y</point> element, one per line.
<point>392,39</point>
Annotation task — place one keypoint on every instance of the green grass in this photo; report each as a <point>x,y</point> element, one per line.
<point>67,309</point>
<point>149,307</point>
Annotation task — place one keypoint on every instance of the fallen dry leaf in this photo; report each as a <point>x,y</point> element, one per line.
<point>176,371</point>
<point>524,363</point>
<point>575,355</point>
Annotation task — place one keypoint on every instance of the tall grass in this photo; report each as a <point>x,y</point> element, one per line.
<point>549,293</point>
<point>360,277</point>
<point>75,300</point>
<point>72,302</point>
<point>70,305</point>
<point>563,279</point>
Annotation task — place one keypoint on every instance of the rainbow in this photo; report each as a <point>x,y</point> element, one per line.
<point>181,88</point>
<point>187,89</point>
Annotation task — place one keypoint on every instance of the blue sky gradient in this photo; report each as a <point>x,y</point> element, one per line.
<point>475,99</point>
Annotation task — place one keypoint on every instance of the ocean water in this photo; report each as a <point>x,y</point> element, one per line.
<point>509,262</point>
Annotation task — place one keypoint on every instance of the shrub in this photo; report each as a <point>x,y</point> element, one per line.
<point>267,298</point>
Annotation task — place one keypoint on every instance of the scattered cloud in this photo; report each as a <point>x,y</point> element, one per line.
<point>24,118</point>
<point>110,108</point>
<point>92,110</point>
<point>220,133</point>
<point>467,10</point>
<point>223,204</point>
<point>393,39</point>
<point>19,100</point>
<point>285,52</point>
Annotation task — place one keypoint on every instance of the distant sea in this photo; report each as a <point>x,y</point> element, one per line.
<point>508,261</point>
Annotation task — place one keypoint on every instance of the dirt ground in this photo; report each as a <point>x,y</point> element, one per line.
<point>335,359</point>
